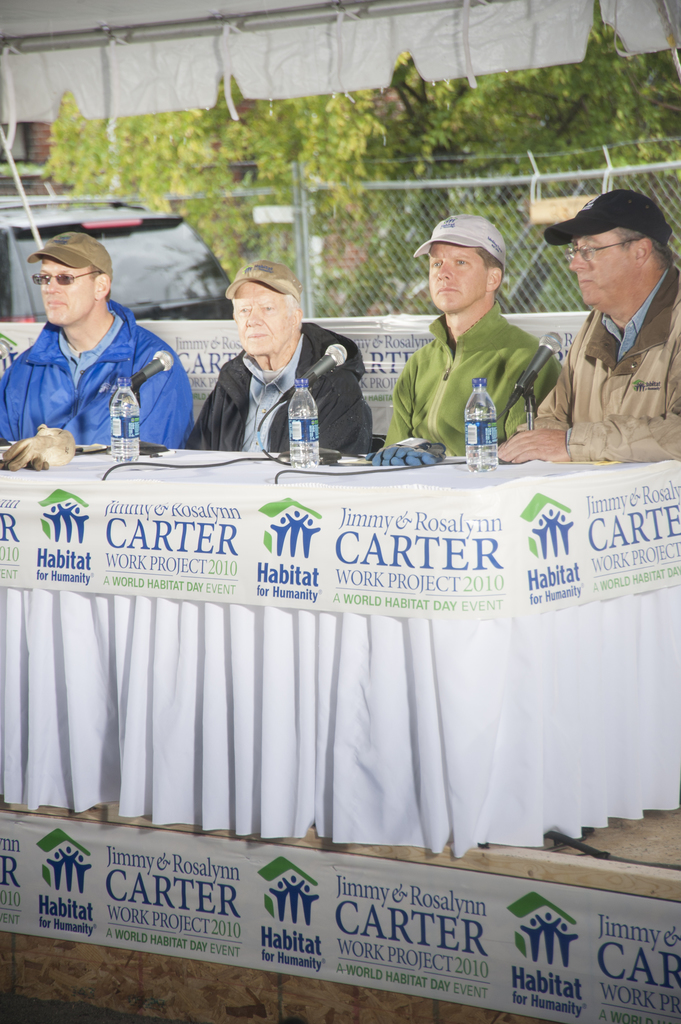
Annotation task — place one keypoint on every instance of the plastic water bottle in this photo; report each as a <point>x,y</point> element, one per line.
<point>303,428</point>
<point>125,423</point>
<point>481,429</point>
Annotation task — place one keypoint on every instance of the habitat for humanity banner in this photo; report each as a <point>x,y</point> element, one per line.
<point>523,546</point>
<point>545,950</point>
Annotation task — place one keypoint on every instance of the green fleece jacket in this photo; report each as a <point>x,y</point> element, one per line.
<point>431,393</point>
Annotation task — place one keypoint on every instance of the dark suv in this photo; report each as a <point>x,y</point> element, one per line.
<point>162,269</point>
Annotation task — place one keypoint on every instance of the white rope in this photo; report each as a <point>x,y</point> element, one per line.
<point>466,44</point>
<point>340,14</point>
<point>663,11</point>
<point>535,184</point>
<point>20,188</point>
<point>10,97</point>
<point>114,107</point>
<point>227,69</point>
<point>7,141</point>
<point>621,53</point>
<point>606,184</point>
<point>677,63</point>
<point>114,86</point>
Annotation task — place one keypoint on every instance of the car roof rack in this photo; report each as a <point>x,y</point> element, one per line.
<point>11,203</point>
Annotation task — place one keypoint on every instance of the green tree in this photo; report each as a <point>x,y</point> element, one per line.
<point>413,129</point>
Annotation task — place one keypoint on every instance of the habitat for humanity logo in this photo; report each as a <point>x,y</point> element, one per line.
<point>294,522</point>
<point>65,868</point>
<point>293,888</point>
<point>63,511</point>
<point>545,925</point>
<point>67,864</point>
<point>552,526</point>
<point>551,928</point>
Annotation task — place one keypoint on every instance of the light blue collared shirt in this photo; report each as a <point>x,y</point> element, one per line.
<point>78,364</point>
<point>263,395</point>
<point>633,328</point>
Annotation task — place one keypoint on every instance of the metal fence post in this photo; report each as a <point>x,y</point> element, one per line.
<point>302,237</point>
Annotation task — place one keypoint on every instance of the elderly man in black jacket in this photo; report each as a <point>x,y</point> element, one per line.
<point>276,350</point>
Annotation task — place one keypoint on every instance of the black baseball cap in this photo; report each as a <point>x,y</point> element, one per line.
<point>620,208</point>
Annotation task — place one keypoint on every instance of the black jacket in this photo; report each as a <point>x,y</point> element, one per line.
<point>344,416</point>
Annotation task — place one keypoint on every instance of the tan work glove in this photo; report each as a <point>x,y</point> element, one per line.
<point>50,447</point>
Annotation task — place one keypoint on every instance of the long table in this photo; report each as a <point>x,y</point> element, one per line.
<point>380,724</point>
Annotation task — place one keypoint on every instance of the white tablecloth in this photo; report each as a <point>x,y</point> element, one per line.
<point>377,730</point>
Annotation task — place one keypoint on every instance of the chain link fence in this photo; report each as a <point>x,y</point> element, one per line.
<point>353,247</point>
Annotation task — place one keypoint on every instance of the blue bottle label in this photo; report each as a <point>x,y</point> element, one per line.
<point>304,431</point>
<point>481,432</point>
<point>125,428</point>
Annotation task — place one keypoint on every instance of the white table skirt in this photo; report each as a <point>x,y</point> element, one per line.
<point>378,730</point>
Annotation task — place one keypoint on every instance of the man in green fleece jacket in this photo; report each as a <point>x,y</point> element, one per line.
<point>472,339</point>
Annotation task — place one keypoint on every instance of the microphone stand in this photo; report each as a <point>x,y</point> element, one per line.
<point>530,408</point>
<point>550,342</point>
<point>530,405</point>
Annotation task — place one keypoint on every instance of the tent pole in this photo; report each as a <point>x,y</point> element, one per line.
<point>305,232</point>
<point>20,188</point>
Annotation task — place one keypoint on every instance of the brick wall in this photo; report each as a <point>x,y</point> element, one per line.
<point>38,141</point>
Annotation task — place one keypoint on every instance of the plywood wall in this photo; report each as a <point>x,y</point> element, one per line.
<point>170,988</point>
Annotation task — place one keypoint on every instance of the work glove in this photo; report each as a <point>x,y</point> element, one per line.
<point>50,447</point>
<point>427,453</point>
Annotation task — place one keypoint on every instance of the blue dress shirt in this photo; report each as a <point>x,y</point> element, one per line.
<point>78,364</point>
<point>263,394</point>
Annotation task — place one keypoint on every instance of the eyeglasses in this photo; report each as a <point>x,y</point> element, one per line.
<point>587,251</point>
<point>44,279</point>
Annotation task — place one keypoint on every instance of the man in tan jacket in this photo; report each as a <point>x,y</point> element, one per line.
<point>619,393</point>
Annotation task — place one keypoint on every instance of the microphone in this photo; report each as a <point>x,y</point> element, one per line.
<point>549,346</point>
<point>162,360</point>
<point>334,356</point>
<point>4,352</point>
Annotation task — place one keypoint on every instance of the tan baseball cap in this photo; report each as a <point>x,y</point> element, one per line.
<point>75,249</point>
<point>274,275</point>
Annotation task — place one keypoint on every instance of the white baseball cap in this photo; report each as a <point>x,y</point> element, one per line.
<point>468,230</point>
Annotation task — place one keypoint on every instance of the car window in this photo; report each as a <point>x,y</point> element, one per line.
<point>5,279</point>
<point>155,262</point>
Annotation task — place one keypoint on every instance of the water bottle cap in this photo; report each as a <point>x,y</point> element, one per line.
<point>479,382</point>
<point>124,382</point>
<point>301,382</point>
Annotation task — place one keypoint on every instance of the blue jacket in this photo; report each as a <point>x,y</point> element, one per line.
<point>38,388</point>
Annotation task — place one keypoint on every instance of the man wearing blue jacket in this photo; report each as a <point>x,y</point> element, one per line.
<point>66,378</point>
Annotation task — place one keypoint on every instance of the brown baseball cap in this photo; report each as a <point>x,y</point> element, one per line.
<point>75,249</point>
<point>274,275</point>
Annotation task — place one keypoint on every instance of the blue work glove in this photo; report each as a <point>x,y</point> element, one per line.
<point>427,454</point>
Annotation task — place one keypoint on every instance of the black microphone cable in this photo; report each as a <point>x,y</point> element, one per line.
<point>175,465</point>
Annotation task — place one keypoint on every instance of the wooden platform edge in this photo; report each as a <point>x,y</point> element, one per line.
<point>538,865</point>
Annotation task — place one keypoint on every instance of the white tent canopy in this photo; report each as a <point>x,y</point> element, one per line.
<point>122,57</point>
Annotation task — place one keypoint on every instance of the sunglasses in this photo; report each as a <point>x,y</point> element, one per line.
<point>44,279</point>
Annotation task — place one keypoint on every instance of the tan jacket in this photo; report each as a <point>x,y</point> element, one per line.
<point>628,411</point>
